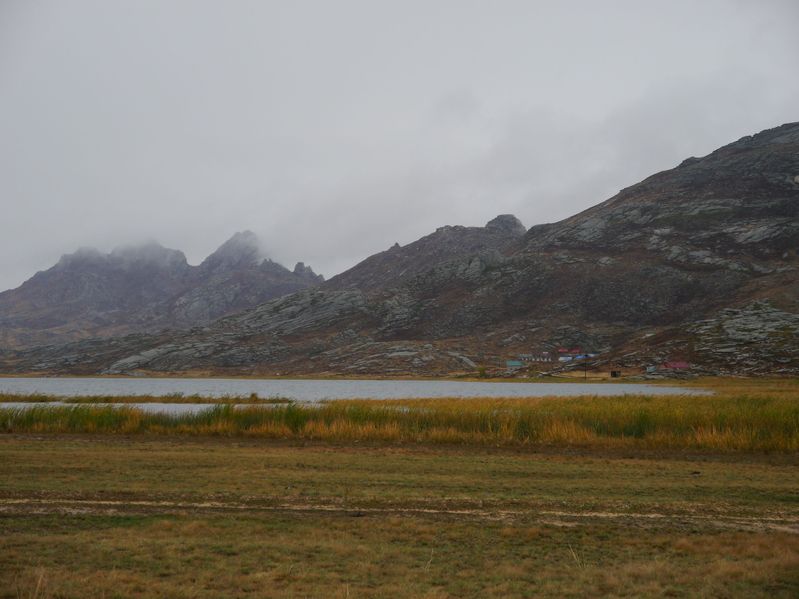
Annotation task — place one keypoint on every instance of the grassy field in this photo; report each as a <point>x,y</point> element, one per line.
<point>634,496</point>
<point>122,516</point>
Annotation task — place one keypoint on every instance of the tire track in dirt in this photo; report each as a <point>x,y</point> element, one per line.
<point>21,506</point>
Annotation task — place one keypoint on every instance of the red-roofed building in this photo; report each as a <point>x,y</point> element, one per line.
<point>675,365</point>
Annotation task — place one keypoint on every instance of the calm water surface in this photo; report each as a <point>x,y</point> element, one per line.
<point>317,390</point>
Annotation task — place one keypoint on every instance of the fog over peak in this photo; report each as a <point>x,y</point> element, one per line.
<point>244,247</point>
<point>333,130</point>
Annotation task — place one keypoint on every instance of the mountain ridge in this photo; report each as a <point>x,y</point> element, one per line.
<point>139,288</point>
<point>397,264</point>
<point>694,264</point>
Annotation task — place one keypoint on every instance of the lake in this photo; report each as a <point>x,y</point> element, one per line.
<point>302,390</point>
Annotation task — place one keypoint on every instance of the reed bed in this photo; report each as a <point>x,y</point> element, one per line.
<point>758,422</point>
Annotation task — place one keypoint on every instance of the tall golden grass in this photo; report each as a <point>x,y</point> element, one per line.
<point>758,421</point>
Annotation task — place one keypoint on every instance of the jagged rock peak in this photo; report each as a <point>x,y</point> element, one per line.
<point>242,249</point>
<point>507,223</point>
<point>307,272</point>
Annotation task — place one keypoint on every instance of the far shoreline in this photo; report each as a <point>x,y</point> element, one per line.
<point>554,378</point>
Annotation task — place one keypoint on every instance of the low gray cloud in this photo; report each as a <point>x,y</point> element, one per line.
<point>335,129</point>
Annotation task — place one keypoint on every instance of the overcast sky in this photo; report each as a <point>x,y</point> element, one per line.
<point>335,128</point>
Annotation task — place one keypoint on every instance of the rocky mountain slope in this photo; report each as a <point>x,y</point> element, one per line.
<point>139,289</point>
<point>398,265</point>
<point>697,264</point>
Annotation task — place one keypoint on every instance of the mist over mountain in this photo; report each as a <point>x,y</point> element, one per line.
<point>698,264</point>
<point>142,288</point>
<point>368,124</point>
